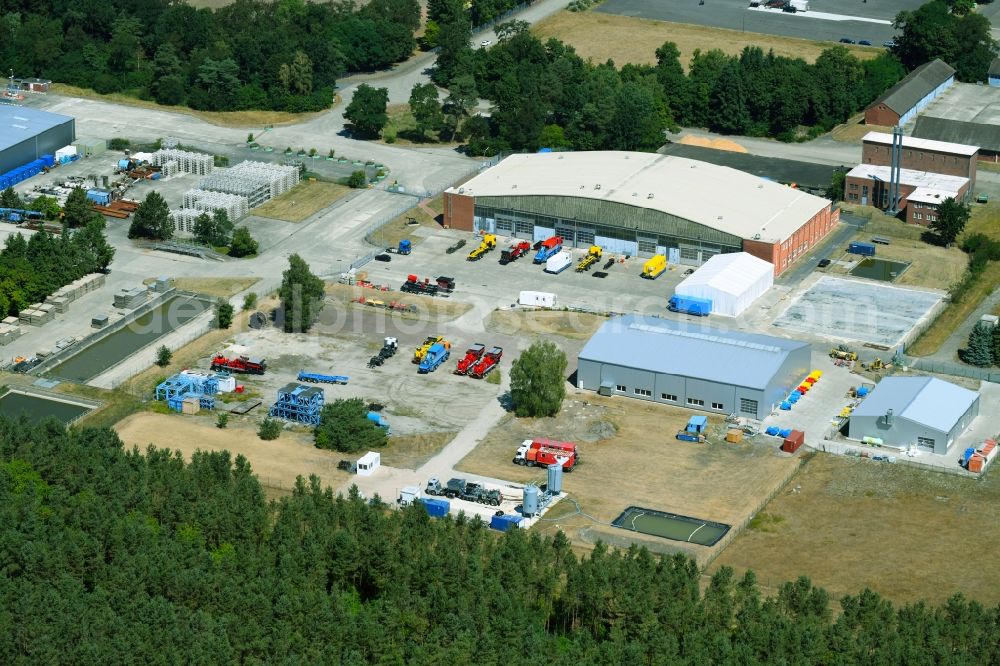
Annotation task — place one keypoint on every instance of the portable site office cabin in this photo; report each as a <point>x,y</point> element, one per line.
<point>731,281</point>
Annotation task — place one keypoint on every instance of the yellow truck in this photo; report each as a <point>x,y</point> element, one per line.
<point>593,256</point>
<point>420,352</point>
<point>654,268</point>
<point>489,242</point>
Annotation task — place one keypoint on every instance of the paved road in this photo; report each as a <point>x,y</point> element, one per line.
<point>960,337</point>
<point>804,267</point>
<point>854,19</point>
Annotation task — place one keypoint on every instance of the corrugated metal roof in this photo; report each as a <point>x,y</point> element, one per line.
<point>677,348</point>
<point>18,123</point>
<point>885,139</point>
<point>984,135</point>
<point>718,197</point>
<point>915,86</point>
<point>730,273</point>
<point>929,401</point>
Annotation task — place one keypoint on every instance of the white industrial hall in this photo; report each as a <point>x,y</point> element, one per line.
<point>731,281</point>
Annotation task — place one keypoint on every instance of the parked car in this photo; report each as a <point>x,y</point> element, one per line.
<point>846,40</point>
<point>889,44</point>
<point>864,42</point>
<point>823,263</point>
<point>383,257</point>
<point>790,8</point>
<point>485,43</point>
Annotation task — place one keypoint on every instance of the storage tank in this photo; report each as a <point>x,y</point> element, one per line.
<point>554,484</point>
<point>529,507</point>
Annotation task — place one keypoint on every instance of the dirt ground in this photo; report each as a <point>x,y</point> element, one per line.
<point>428,308</point>
<point>624,39</point>
<point>854,129</point>
<point>629,456</point>
<point>573,325</point>
<point>849,523</point>
<point>212,287</point>
<point>426,213</point>
<point>716,144</point>
<point>303,200</point>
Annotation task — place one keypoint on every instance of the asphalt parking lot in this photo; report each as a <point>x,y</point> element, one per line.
<point>856,20</point>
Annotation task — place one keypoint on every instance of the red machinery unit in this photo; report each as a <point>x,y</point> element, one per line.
<point>490,360</point>
<point>540,452</point>
<point>515,251</point>
<point>472,356</point>
<point>253,366</point>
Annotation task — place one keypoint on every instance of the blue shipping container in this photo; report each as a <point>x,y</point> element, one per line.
<point>99,197</point>
<point>49,160</point>
<point>504,523</point>
<point>701,307</point>
<point>864,249</point>
<point>436,508</point>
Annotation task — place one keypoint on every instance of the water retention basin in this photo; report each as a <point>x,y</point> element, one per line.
<point>116,347</point>
<point>38,408</point>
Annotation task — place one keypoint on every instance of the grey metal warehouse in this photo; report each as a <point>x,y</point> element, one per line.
<point>698,367</point>
<point>923,411</point>
<point>26,134</point>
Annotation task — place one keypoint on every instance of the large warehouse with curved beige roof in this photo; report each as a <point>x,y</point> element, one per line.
<point>641,204</point>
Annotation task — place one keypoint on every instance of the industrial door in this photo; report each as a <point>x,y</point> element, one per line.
<point>646,246</point>
<point>584,237</point>
<point>525,230</point>
<point>925,443</point>
<point>568,235</point>
<point>505,227</point>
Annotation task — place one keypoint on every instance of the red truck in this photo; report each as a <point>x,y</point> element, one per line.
<point>487,363</point>
<point>253,366</point>
<point>472,356</point>
<point>541,452</point>
<point>515,251</point>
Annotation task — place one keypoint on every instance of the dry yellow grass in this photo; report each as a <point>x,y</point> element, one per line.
<point>412,451</point>
<point>305,199</point>
<point>856,524</point>
<point>638,463</point>
<point>854,129</point>
<point>398,228</point>
<point>624,39</point>
<point>934,267</point>
<point>244,119</point>
<point>575,325</point>
<point>212,287</point>
<point>428,308</point>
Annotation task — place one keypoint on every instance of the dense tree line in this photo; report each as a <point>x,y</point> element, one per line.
<point>114,556</point>
<point>32,269</point>
<point>545,95</point>
<point>951,31</point>
<point>250,54</point>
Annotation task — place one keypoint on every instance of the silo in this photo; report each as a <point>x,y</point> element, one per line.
<point>529,507</point>
<point>554,485</point>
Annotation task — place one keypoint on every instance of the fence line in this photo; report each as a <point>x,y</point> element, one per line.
<point>736,530</point>
<point>955,369</point>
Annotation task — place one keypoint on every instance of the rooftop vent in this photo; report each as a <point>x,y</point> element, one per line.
<point>461,190</point>
<point>597,187</point>
<point>650,196</point>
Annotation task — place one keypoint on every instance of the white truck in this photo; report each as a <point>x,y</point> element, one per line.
<point>558,262</point>
<point>537,299</point>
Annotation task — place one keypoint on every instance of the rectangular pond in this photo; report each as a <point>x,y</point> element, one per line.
<point>880,269</point>
<point>38,408</point>
<point>671,526</point>
<point>116,347</point>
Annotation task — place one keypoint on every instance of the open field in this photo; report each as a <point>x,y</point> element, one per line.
<point>213,287</point>
<point>573,325</point>
<point>248,119</point>
<point>849,523</point>
<point>930,266</point>
<point>986,220</point>
<point>600,36</point>
<point>629,457</point>
<point>305,199</point>
<point>427,214</point>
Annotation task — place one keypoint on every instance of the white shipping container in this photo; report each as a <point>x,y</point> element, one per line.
<point>800,5</point>
<point>558,262</point>
<point>538,299</point>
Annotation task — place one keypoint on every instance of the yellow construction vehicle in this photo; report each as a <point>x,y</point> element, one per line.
<point>593,256</point>
<point>654,268</point>
<point>843,354</point>
<point>877,364</point>
<point>421,351</point>
<point>488,243</point>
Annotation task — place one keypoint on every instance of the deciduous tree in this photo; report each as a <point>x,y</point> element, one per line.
<point>344,426</point>
<point>301,295</point>
<point>366,112</point>
<point>538,380</point>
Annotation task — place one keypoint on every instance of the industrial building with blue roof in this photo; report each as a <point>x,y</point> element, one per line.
<point>927,412</point>
<point>26,134</point>
<point>694,366</point>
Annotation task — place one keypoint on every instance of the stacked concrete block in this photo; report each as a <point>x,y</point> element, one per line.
<point>60,303</point>
<point>35,316</point>
<point>235,205</point>
<point>131,298</point>
<point>198,164</point>
<point>9,332</point>
<point>257,181</point>
<point>183,219</point>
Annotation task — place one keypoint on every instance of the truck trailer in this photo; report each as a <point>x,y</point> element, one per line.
<point>701,307</point>
<point>548,247</point>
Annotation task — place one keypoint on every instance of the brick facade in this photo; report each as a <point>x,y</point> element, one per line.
<point>786,253</point>
<point>880,114</point>
<point>867,192</point>
<point>922,159</point>
<point>458,211</point>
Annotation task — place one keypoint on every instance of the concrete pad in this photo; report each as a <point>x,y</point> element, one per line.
<point>858,310</point>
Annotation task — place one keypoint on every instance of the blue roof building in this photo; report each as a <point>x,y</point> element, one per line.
<point>692,365</point>
<point>923,411</point>
<point>26,134</point>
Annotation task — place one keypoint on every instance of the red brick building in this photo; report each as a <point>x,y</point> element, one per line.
<point>920,192</point>
<point>900,103</point>
<point>951,159</point>
<point>641,204</point>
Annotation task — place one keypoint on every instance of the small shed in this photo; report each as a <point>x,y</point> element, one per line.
<point>732,281</point>
<point>368,463</point>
